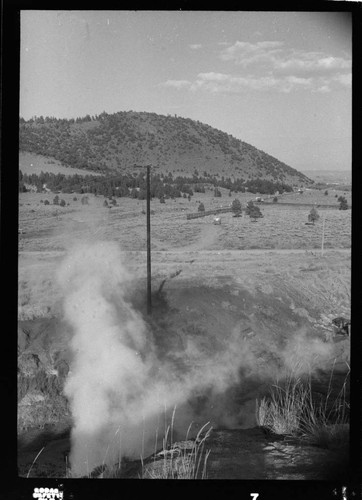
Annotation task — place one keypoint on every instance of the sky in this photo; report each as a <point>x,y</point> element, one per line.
<point>280,81</point>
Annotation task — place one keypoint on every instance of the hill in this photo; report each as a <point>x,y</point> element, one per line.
<point>31,163</point>
<point>115,142</point>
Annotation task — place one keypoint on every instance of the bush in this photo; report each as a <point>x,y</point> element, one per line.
<point>275,199</point>
<point>236,207</point>
<point>343,205</point>
<point>253,211</point>
<point>326,193</point>
<point>62,203</point>
<point>46,202</point>
<point>56,200</point>
<point>313,215</point>
<point>201,208</point>
<point>75,198</point>
<point>291,409</point>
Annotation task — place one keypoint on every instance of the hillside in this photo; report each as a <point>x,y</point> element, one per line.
<point>115,142</point>
<point>32,163</point>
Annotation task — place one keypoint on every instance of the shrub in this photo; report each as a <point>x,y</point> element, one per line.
<point>275,199</point>
<point>313,215</point>
<point>201,207</point>
<point>343,205</point>
<point>56,200</point>
<point>46,202</point>
<point>75,198</point>
<point>236,207</point>
<point>253,211</point>
<point>62,203</point>
<point>105,203</point>
<point>292,410</point>
<point>326,192</point>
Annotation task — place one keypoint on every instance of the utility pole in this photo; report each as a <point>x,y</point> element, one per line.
<point>148,224</point>
<point>324,223</point>
<point>149,300</point>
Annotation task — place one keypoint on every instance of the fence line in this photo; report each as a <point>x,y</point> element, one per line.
<point>208,212</point>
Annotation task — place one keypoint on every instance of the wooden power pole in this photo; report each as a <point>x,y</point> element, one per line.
<point>324,225</point>
<point>148,217</point>
<point>149,300</point>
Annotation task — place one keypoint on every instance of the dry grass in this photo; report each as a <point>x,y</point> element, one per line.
<point>291,410</point>
<point>180,462</point>
<point>49,227</point>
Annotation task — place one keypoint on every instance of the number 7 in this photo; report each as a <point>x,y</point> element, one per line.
<point>254,495</point>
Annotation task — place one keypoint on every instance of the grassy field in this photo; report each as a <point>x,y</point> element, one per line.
<point>282,227</point>
<point>280,237</point>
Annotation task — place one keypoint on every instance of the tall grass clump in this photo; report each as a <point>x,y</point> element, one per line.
<point>292,410</point>
<point>181,460</point>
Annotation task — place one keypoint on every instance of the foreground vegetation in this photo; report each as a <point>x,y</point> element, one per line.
<point>291,409</point>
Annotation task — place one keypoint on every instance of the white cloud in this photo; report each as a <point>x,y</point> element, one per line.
<point>221,82</point>
<point>311,62</point>
<point>178,84</point>
<point>274,56</point>
<point>215,82</point>
<point>324,89</point>
<point>245,53</point>
<point>344,79</point>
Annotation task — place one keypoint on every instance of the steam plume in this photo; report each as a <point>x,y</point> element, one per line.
<point>118,387</point>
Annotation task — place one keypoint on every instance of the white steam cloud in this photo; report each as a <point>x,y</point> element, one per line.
<point>118,387</point>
